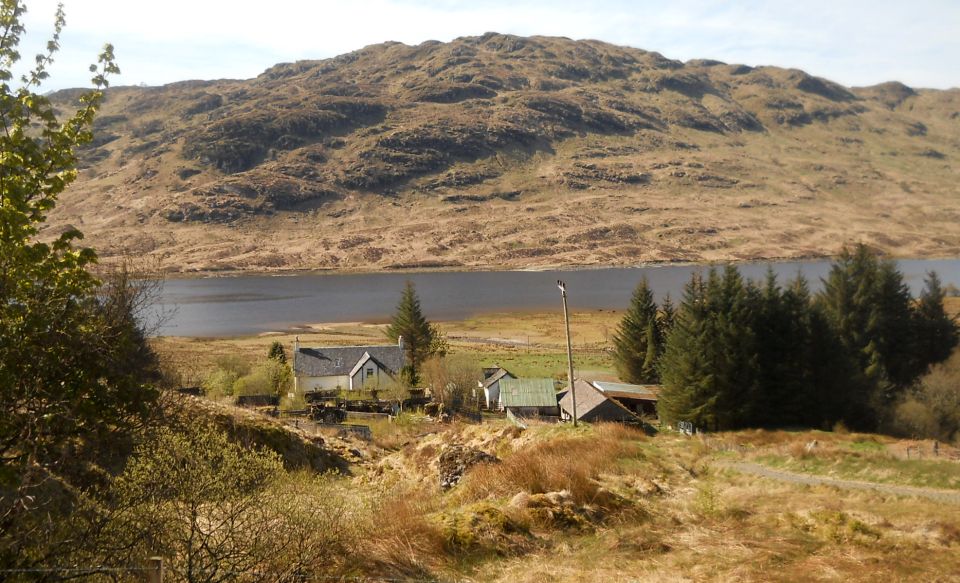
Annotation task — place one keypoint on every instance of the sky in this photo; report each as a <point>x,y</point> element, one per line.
<point>853,42</point>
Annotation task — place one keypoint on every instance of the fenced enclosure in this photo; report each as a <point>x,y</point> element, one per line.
<point>315,426</point>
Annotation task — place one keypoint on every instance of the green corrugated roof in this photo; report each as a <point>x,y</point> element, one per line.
<point>527,393</point>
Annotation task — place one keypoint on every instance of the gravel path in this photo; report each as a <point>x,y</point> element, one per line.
<point>950,496</point>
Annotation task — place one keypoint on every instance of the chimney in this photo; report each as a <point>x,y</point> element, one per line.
<point>296,344</point>
<point>400,345</point>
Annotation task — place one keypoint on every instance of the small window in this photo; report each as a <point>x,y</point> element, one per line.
<point>339,362</point>
<point>369,372</point>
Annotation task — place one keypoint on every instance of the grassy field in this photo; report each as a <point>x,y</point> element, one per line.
<point>527,344</point>
<point>872,465</point>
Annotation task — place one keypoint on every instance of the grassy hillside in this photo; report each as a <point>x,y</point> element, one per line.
<point>502,151</point>
<point>608,503</point>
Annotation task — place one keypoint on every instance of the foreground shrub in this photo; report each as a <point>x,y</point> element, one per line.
<point>213,509</point>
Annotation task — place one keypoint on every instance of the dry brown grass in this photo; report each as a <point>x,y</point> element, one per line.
<point>855,172</point>
<point>674,513</point>
<point>732,527</point>
<point>393,434</point>
<point>401,539</point>
<point>687,519</point>
<point>571,463</point>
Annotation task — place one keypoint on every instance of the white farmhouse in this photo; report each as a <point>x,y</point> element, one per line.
<point>349,368</point>
<point>491,386</point>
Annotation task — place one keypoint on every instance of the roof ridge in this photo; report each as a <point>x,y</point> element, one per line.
<point>352,346</point>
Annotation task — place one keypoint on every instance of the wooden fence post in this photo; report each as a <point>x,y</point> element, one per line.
<point>155,570</point>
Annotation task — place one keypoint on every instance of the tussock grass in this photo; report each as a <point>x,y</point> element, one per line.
<point>571,463</point>
<point>400,537</point>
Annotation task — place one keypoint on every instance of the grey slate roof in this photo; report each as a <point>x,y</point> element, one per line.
<point>593,405</point>
<point>340,360</point>
<point>527,393</point>
<point>501,373</point>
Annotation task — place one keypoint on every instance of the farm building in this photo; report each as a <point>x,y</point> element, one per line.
<point>640,399</point>
<point>593,405</point>
<point>491,386</point>
<point>350,368</point>
<point>529,397</point>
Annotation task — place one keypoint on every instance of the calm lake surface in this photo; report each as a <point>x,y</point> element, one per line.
<point>234,306</point>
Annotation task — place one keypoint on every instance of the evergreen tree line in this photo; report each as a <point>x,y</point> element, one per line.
<point>736,353</point>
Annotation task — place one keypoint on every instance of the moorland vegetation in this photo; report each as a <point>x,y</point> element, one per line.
<point>500,151</point>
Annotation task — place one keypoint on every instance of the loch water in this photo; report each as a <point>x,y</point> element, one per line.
<point>242,305</point>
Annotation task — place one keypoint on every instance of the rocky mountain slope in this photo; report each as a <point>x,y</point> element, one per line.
<point>501,151</point>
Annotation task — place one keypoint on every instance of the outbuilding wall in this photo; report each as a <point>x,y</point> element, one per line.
<point>307,384</point>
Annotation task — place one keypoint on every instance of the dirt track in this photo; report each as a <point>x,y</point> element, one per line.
<point>952,497</point>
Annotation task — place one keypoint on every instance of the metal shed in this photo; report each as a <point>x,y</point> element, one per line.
<point>529,397</point>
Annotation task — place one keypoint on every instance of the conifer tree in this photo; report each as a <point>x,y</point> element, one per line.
<point>709,366</point>
<point>733,347</point>
<point>637,341</point>
<point>418,335</point>
<point>685,395</point>
<point>867,303</point>
<point>652,356</point>
<point>782,329</point>
<point>665,317</point>
<point>937,333</point>
<point>893,327</point>
<point>277,353</point>
<point>837,387</point>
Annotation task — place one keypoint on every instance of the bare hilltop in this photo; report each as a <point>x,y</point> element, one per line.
<point>508,152</point>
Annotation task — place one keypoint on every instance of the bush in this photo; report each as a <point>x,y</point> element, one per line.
<point>453,380</point>
<point>932,409</point>
<point>213,508</point>
<point>196,498</point>
<point>271,377</point>
<point>234,364</point>
<point>219,383</point>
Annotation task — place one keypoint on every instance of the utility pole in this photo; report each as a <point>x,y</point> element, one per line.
<point>566,322</point>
